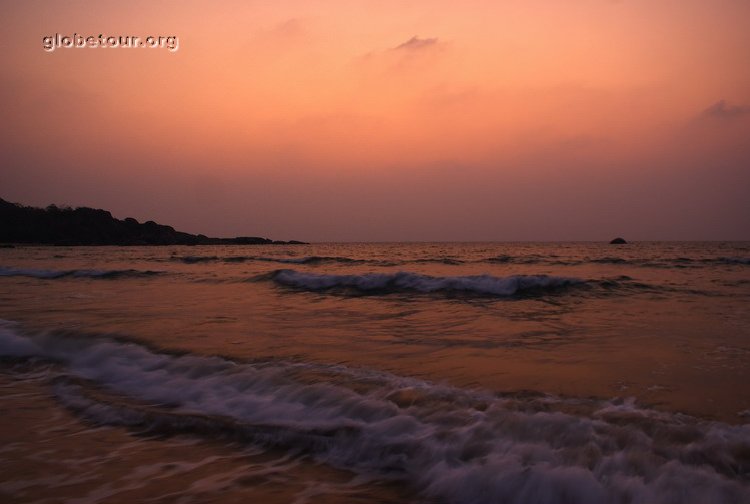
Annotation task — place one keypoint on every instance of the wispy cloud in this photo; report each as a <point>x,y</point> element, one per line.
<point>723,110</point>
<point>415,44</point>
<point>416,57</point>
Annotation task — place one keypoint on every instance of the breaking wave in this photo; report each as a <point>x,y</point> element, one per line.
<point>74,273</point>
<point>380,283</point>
<point>456,445</point>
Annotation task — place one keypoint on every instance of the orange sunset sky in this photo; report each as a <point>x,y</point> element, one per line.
<point>388,120</point>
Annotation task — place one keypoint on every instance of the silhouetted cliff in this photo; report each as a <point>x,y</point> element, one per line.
<point>89,226</point>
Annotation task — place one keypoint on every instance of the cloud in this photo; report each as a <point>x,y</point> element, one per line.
<point>415,44</point>
<point>281,38</point>
<point>417,58</point>
<point>723,110</point>
<point>290,29</point>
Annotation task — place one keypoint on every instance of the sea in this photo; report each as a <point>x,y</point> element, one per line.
<point>455,373</point>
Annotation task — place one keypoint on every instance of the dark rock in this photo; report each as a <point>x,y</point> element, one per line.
<point>250,240</point>
<point>89,226</point>
<point>618,241</point>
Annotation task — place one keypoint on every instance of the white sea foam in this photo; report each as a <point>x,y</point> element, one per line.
<point>486,285</point>
<point>456,445</point>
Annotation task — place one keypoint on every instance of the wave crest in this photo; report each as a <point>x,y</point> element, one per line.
<point>378,283</point>
<point>551,260</point>
<point>74,273</point>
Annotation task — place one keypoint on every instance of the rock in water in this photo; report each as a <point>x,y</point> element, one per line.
<point>618,241</point>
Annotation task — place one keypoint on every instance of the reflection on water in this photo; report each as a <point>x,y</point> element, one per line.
<point>388,372</point>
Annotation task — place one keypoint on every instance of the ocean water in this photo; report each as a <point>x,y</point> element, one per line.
<point>372,373</point>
